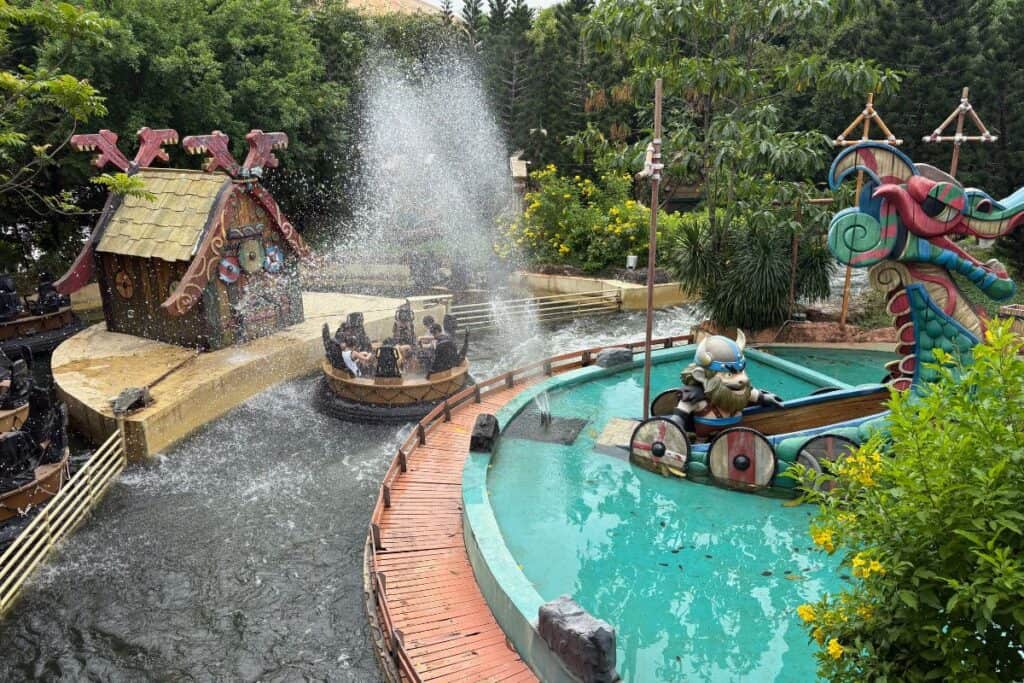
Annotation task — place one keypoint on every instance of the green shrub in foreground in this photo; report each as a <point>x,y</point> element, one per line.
<point>929,519</point>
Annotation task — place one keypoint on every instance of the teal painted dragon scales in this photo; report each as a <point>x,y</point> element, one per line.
<point>903,228</point>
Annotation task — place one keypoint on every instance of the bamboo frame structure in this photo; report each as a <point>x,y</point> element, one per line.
<point>963,111</point>
<point>864,120</point>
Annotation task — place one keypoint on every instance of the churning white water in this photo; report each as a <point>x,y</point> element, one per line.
<point>435,175</point>
<point>434,186</point>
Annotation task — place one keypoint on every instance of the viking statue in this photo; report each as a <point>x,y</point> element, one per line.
<point>716,388</point>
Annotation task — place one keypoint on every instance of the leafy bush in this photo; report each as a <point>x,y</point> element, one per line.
<point>929,516</point>
<point>741,266</point>
<point>584,223</point>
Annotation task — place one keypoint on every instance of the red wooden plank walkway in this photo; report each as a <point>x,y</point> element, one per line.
<point>433,622</point>
<point>448,630</point>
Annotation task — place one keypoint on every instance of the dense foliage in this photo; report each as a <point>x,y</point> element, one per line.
<point>753,93</point>
<point>194,66</point>
<point>743,273</point>
<point>929,518</point>
<point>592,224</point>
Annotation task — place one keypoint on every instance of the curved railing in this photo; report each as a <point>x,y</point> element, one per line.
<point>441,414</point>
<point>61,515</point>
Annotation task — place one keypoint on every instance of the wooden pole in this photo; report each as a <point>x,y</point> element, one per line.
<point>652,244</point>
<point>869,112</point>
<point>959,133</point>
<point>794,252</point>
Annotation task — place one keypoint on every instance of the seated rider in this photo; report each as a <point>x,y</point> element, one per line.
<point>353,327</point>
<point>426,337</point>
<point>446,354</point>
<point>716,388</point>
<point>427,344</point>
<point>359,363</point>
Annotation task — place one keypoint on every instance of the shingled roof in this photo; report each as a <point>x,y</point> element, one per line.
<point>170,226</point>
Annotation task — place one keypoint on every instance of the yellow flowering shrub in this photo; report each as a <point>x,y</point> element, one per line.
<point>928,516</point>
<point>590,223</point>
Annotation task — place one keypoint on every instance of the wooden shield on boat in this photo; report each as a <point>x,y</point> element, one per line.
<point>662,442</point>
<point>665,402</point>
<point>743,458</point>
<point>825,449</point>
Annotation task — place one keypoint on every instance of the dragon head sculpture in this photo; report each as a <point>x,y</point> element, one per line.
<point>903,228</point>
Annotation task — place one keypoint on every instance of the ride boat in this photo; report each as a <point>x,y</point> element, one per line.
<point>34,453</point>
<point>38,324</point>
<point>719,426</point>
<point>399,379</point>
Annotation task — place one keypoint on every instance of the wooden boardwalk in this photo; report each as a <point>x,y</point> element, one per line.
<point>430,621</point>
<point>448,630</point>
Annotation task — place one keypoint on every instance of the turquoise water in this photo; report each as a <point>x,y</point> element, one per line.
<point>852,367</point>
<point>701,583</point>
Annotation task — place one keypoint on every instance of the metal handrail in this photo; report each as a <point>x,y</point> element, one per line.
<point>535,299</point>
<point>419,436</point>
<point>62,514</point>
<point>575,304</point>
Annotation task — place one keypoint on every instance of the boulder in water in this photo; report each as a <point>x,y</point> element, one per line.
<point>611,357</point>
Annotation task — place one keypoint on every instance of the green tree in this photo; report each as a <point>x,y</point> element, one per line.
<point>928,517</point>
<point>43,105</point>
<point>231,66</point>
<point>558,70</point>
<point>728,78</point>
<point>939,46</point>
<point>448,16</point>
<point>473,17</point>
<point>505,54</point>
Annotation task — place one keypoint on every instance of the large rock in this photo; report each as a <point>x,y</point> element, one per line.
<point>585,644</point>
<point>485,432</point>
<point>612,357</point>
<point>131,400</point>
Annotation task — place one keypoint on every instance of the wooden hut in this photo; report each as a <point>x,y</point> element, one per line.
<point>201,258</point>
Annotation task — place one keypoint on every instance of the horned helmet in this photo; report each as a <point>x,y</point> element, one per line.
<point>718,355</point>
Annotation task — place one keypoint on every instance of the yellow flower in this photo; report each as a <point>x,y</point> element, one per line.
<point>564,249</point>
<point>835,650</point>
<point>876,567</point>
<point>819,635</point>
<point>823,539</point>
<point>859,561</point>
<point>806,612</point>
<point>864,612</point>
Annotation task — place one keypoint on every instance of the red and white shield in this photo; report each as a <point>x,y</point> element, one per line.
<point>742,457</point>
<point>229,269</point>
<point>660,441</point>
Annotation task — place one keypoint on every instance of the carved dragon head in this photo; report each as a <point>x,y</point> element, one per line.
<point>910,212</point>
<point>903,227</point>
